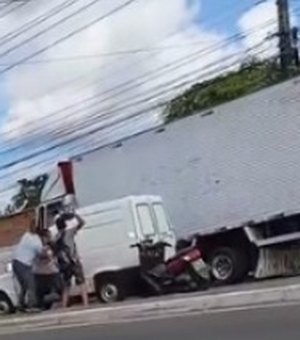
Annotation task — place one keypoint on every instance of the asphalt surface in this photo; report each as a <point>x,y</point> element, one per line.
<point>274,323</point>
<point>242,287</point>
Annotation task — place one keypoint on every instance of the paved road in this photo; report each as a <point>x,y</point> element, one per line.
<point>246,286</point>
<point>275,323</point>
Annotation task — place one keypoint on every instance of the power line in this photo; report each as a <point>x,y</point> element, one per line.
<point>133,104</point>
<point>6,4</point>
<point>93,72</point>
<point>97,129</point>
<point>111,54</point>
<point>104,54</point>
<point>70,82</point>
<point>122,88</point>
<point>9,36</point>
<point>160,88</point>
<point>11,10</point>
<point>122,53</point>
<point>49,28</point>
<point>173,64</point>
<point>91,149</point>
<point>156,94</point>
<point>68,36</point>
<point>134,83</point>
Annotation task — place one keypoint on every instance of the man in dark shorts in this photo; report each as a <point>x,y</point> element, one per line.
<point>69,262</point>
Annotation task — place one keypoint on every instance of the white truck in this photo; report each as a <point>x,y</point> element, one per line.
<point>110,264</point>
<point>230,174</point>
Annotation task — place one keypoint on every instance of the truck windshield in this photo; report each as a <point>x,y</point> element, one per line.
<point>161,217</point>
<point>145,219</point>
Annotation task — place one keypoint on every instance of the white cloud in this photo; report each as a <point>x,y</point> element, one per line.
<point>142,25</point>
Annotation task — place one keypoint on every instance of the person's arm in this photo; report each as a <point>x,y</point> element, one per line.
<point>44,254</point>
<point>75,224</point>
<point>80,221</point>
<point>38,246</point>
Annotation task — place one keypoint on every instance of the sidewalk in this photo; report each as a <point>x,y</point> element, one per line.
<point>154,308</point>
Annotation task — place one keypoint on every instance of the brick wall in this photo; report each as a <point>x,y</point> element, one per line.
<point>13,227</point>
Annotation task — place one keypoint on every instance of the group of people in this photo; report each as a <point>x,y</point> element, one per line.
<point>45,264</point>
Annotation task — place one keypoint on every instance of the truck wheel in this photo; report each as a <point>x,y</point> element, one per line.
<point>109,289</point>
<point>228,265</point>
<point>6,306</point>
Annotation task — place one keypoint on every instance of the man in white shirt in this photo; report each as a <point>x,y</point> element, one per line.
<point>29,247</point>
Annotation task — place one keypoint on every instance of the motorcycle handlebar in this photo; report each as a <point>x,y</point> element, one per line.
<point>138,245</point>
<point>166,244</point>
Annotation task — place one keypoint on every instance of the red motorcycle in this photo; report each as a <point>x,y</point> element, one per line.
<point>185,272</point>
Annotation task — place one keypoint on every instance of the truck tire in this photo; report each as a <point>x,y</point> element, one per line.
<point>6,306</point>
<point>109,289</point>
<point>228,265</point>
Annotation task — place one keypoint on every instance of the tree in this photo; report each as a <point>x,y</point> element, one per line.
<point>30,193</point>
<point>253,75</point>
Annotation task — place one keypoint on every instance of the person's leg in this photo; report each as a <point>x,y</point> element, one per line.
<point>31,288</point>
<point>67,281</point>
<point>65,297</point>
<point>57,284</point>
<point>80,281</point>
<point>84,295</point>
<point>39,284</point>
<point>46,291</point>
<point>19,271</point>
<point>54,288</point>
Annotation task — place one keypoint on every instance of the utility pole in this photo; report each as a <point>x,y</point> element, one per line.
<point>295,42</point>
<point>285,36</point>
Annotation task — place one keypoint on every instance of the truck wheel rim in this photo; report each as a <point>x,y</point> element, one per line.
<point>222,267</point>
<point>109,293</point>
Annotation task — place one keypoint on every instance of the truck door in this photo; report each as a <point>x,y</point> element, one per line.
<point>146,224</point>
<point>164,227</point>
<point>162,220</point>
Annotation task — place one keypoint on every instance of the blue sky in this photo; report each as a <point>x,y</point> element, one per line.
<point>223,15</point>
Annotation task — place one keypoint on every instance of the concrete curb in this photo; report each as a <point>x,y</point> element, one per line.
<point>154,309</point>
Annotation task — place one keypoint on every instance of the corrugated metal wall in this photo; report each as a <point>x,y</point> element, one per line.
<point>241,161</point>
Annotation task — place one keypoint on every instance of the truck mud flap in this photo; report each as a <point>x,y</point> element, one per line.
<point>277,262</point>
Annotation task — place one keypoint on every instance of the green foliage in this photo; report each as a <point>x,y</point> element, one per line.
<point>252,76</point>
<point>29,195</point>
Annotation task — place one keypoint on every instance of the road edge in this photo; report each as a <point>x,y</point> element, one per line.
<point>183,305</point>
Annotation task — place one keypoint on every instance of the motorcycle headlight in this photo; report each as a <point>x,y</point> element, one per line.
<point>187,258</point>
<point>8,268</point>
